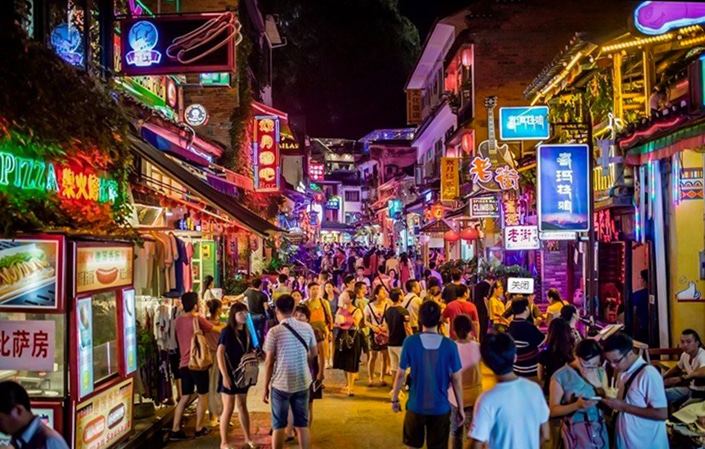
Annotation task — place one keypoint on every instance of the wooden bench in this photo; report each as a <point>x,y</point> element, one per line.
<point>663,358</point>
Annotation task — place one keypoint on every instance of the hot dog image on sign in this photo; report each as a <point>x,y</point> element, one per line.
<point>28,273</point>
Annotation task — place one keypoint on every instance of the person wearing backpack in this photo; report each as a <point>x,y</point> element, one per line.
<point>379,335</point>
<point>289,347</point>
<point>194,363</point>
<point>238,366</point>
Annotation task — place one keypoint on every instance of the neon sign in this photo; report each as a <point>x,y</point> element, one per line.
<point>655,18</point>
<point>66,41</point>
<point>41,176</point>
<point>143,37</point>
<point>266,153</point>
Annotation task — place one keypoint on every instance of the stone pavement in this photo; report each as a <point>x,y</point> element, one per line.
<point>364,421</point>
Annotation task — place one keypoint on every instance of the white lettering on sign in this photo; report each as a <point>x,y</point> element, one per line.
<point>523,286</point>
<point>564,182</point>
<point>524,121</point>
<point>27,345</point>
<point>521,237</point>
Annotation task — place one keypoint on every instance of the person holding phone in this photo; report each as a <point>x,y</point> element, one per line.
<point>575,390</point>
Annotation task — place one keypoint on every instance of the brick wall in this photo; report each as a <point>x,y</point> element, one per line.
<point>554,273</point>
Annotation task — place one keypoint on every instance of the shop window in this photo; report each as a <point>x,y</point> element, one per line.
<point>352,195</point>
<point>45,383</point>
<point>105,345</point>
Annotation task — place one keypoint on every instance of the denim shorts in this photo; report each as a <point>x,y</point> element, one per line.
<point>281,401</point>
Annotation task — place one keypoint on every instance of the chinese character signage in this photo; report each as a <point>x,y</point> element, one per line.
<point>450,178</point>
<point>563,188</point>
<point>316,172</point>
<point>413,106</point>
<point>521,237</point>
<point>104,419</point>
<point>266,153</point>
<point>27,345</point>
<point>31,273</point>
<point>85,346</point>
<point>524,123</point>
<point>129,326</point>
<point>522,286</point>
<point>190,43</point>
<point>103,267</point>
<point>484,207</point>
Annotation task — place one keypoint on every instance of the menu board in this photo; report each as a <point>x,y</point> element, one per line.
<point>103,267</point>
<point>104,419</point>
<point>30,272</point>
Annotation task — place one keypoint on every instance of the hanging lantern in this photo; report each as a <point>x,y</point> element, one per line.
<point>451,236</point>
<point>469,233</point>
<point>467,143</point>
<point>466,57</point>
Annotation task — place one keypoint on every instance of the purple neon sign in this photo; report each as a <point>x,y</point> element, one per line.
<point>654,18</point>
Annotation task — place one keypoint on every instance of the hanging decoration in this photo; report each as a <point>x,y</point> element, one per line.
<point>469,233</point>
<point>451,236</point>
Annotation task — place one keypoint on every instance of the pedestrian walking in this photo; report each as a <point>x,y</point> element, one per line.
<point>460,306</point>
<point>321,321</point>
<point>528,339</point>
<point>258,304</point>
<point>375,320</point>
<point>348,343</point>
<point>513,414</point>
<point>398,322</point>
<point>235,343</point>
<point>412,302</point>
<point>471,375</point>
<point>288,347</point>
<point>215,404</point>
<point>26,430</point>
<point>435,365</point>
<point>560,346</point>
<point>640,404</point>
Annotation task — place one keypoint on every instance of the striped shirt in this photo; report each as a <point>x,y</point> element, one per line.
<point>528,339</point>
<point>291,371</point>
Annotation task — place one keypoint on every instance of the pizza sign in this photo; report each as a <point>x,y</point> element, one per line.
<point>266,153</point>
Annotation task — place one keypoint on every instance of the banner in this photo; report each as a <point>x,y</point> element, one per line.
<point>27,345</point>
<point>103,267</point>
<point>563,188</point>
<point>189,43</point>
<point>524,123</point>
<point>450,178</point>
<point>266,153</point>
<point>104,419</point>
<point>413,107</point>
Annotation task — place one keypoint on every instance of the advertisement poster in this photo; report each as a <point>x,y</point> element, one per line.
<point>189,43</point>
<point>105,419</point>
<point>100,267</point>
<point>266,153</point>
<point>29,273</point>
<point>85,346</point>
<point>563,188</point>
<point>450,178</point>
<point>129,331</point>
<point>524,123</point>
<point>27,345</point>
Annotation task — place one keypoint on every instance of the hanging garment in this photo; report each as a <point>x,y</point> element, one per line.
<point>188,272</point>
<point>179,263</point>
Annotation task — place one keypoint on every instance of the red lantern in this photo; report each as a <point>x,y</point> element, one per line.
<point>468,143</point>
<point>469,234</point>
<point>451,236</point>
<point>466,57</point>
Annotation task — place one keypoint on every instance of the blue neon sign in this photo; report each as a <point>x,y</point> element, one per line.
<point>653,18</point>
<point>143,37</point>
<point>524,123</point>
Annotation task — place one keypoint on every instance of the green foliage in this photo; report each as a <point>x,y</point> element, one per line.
<point>487,269</point>
<point>146,344</point>
<point>235,285</point>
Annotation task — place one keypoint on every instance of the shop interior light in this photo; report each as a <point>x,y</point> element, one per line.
<point>638,42</point>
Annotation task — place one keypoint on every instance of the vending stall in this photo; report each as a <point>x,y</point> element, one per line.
<point>67,333</point>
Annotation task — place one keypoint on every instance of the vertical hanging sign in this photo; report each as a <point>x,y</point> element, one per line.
<point>450,179</point>
<point>413,106</point>
<point>266,153</point>
<point>563,188</point>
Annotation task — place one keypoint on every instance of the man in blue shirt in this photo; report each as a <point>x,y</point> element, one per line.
<point>18,421</point>
<point>434,363</point>
<point>640,302</point>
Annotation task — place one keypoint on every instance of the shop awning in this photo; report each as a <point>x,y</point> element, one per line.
<point>436,226</point>
<point>189,148</point>
<point>688,138</point>
<point>208,194</point>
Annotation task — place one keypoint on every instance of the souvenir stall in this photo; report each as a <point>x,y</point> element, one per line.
<point>67,333</point>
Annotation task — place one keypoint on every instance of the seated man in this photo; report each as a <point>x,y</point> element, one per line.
<point>680,380</point>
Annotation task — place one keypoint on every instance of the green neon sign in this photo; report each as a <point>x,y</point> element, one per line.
<point>214,79</point>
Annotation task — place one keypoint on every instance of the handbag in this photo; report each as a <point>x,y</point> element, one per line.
<point>346,340</point>
<point>247,371</point>
<point>200,356</point>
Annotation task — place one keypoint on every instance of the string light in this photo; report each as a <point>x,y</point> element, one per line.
<point>691,41</point>
<point>637,224</point>
<point>565,72</point>
<point>637,42</point>
<point>676,179</point>
<point>690,29</point>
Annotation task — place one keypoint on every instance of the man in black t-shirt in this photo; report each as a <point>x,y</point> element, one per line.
<point>258,304</point>
<point>399,325</point>
<point>449,295</point>
<point>528,339</point>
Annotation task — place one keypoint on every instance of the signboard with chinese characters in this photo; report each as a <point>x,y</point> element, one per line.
<point>563,188</point>
<point>104,419</point>
<point>413,106</point>
<point>33,273</point>
<point>450,178</point>
<point>511,215</point>
<point>524,123</point>
<point>27,345</point>
<point>521,238</point>
<point>266,153</point>
<point>84,346</point>
<point>190,43</point>
<point>129,327</point>
<point>484,207</point>
<point>522,286</point>
<point>316,172</point>
<point>103,267</point>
